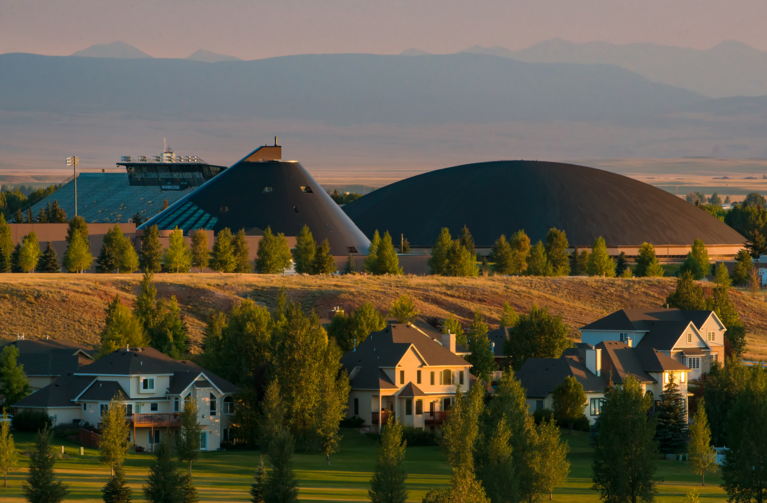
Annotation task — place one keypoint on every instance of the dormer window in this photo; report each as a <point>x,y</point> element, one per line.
<point>147,384</point>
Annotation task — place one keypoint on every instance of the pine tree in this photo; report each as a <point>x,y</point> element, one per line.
<point>164,204</point>
<point>121,329</point>
<point>222,257</point>
<point>537,263</point>
<point>259,486</point>
<point>520,248</point>
<point>41,485</point>
<point>188,439</point>
<point>29,254</point>
<point>18,218</point>
<point>129,260</point>
<point>324,263</point>
<point>281,484</point>
<point>389,475</point>
<point>144,308</point>
<point>404,246</point>
<point>600,263</point>
<point>350,267</point>
<point>241,253</point>
<point>403,309</point>
<point>333,388</point>
<point>15,258</point>
<point>621,265</point>
<point>387,261</point>
<point>696,261</point>
<point>569,402</point>
<point>29,218</point>
<point>460,263</point>
<point>438,260</point>
<point>109,256</point>
<point>117,490</point>
<point>371,261</point>
<point>574,264</point>
<point>42,218</point>
<point>114,444</point>
<point>702,455</point>
<point>15,383</point>
<point>165,484</point>
<point>150,256</point>
<point>273,253</point>
<point>583,262</point>
<point>137,219</point>
<point>6,245</point>
<point>647,262</point>
<point>9,458</point>
<point>497,472</point>
<point>467,241</point>
<point>502,256</point>
<point>58,215</point>
<point>509,317</point>
<point>49,262</point>
<point>78,256</point>
<point>722,277</point>
<point>170,333</point>
<point>200,254</point>
<point>272,416</point>
<point>686,295</point>
<point>177,258</point>
<point>481,355</point>
<point>304,251</point>
<point>556,252</point>
<point>743,267</point>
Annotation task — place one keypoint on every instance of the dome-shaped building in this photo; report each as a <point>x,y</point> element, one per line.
<point>502,197</point>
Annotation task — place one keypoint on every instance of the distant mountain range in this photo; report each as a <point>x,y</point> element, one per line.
<point>210,57</point>
<point>121,50</point>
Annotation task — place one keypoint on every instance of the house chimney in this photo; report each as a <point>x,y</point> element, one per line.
<point>448,340</point>
<point>629,342</point>
<point>594,361</point>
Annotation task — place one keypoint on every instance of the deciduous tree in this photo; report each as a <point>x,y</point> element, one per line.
<point>600,263</point>
<point>324,263</point>
<point>78,256</point>
<point>502,256</point>
<point>702,455</point>
<point>272,417</point>
<point>696,261</point>
<point>273,253</point>
<point>520,248</point>
<point>121,329</point>
<point>509,317</point>
<point>647,262</point>
<point>6,245</point>
<point>333,388</point>
<point>537,335</point>
<point>200,253</point>
<point>556,252</point>
<point>30,253</point>
<point>438,259</point>
<point>222,257</point>
<point>188,438</point>
<point>686,295</point>
<point>114,444</point>
<point>15,383</point>
<point>304,252</point>
<point>403,309</point>
<point>9,458</point>
<point>241,253</point>
<point>569,401</point>
<point>480,355</point>
<point>177,257</point>
<point>389,474</point>
<point>743,267</point>
<point>460,262</point>
<point>537,262</point>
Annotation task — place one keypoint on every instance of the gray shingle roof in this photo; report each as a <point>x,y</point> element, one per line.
<point>103,391</point>
<point>499,336</point>
<point>57,394</point>
<point>539,376</point>
<point>51,357</point>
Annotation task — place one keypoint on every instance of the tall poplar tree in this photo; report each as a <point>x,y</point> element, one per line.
<point>333,388</point>
<point>9,458</point>
<point>6,245</point>
<point>114,444</point>
<point>272,416</point>
<point>150,256</point>
<point>241,253</point>
<point>222,257</point>
<point>303,254</point>
<point>200,253</point>
<point>702,455</point>
<point>556,252</point>
<point>29,255</point>
<point>520,248</point>
<point>177,258</point>
<point>188,438</point>
<point>78,256</point>
<point>389,474</point>
<point>600,263</point>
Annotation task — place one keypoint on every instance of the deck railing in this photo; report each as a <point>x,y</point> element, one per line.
<point>436,417</point>
<point>172,419</point>
<point>384,418</point>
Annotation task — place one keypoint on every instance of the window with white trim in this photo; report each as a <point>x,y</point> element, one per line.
<point>689,337</point>
<point>228,405</point>
<point>623,337</point>
<point>213,404</point>
<point>693,362</point>
<point>154,407</point>
<point>711,337</point>
<point>596,406</point>
<point>176,404</point>
<point>103,408</point>
<point>147,384</point>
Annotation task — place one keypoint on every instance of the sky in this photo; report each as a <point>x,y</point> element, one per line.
<point>255,29</point>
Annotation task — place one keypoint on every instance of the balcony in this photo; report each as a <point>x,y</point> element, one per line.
<point>436,417</point>
<point>154,420</point>
<point>385,417</point>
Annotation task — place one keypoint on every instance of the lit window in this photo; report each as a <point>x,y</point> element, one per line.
<point>665,377</point>
<point>684,374</point>
<point>596,406</point>
<point>306,190</point>
<point>711,336</point>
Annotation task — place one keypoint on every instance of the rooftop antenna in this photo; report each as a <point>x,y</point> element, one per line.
<point>164,145</point>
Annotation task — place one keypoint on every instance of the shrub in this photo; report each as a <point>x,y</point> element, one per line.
<point>416,437</point>
<point>31,420</point>
<point>65,430</point>
<point>582,424</point>
<point>352,422</point>
<point>543,414</point>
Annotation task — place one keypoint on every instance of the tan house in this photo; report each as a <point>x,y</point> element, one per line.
<point>45,360</point>
<point>693,338</point>
<point>155,388</point>
<point>404,372</point>
<point>593,367</point>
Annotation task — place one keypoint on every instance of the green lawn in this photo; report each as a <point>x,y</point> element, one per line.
<point>226,476</point>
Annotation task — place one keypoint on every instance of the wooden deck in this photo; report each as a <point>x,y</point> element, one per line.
<point>436,417</point>
<point>385,418</point>
<point>155,420</point>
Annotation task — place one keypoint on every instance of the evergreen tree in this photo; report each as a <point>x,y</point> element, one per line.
<point>696,261</point>
<point>403,309</point>
<point>42,218</point>
<point>647,262</point>
<point>600,263</point>
<point>350,267</point>
<point>702,455</point>
<point>460,262</point>
<point>324,263</point>
<point>625,457</point>
<point>574,265</point>
<point>129,260</point>
<point>9,458</point>
<point>438,259</point>
<point>15,384</point>
<point>177,257</point>
<point>569,402</point>
<point>303,254</point>
<point>15,258</point>
<point>722,305</point>
<point>281,484</point>
<point>451,325</point>
<point>109,256</point>
<point>502,256</point>
<point>117,490</point>
<point>29,255</point>
<point>49,262</point>
<point>222,257</point>
<point>170,332</point>
<point>583,262</point>
<point>114,444</point>
<point>6,245</point>
<point>387,261</point>
<point>164,205</point>
<point>389,475</point>
<point>241,253</point>
<point>165,484</point>
<point>41,485</point>
<point>467,241</point>
<point>537,335</point>
<point>404,246</point>
<point>333,390</point>
<point>258,487</point>
<point>137,219</point>
<point>481,356</point>
<point>273,253</point>
<point>671,432</point>
<point>722,277</point>
<point>743,267</point>
<point>150,256</point>
<point>200,254</point>
<point>370,265</point>
<point>188,438</point>
<point>520,248</point>
<point>77,224</point>
<point>29,219</point>
<point>78,256</point>
<point>687,294</point>
<point>121,329</point>
<point>18,218</point>
<point>272,417</point>
<point>556,252</point>
<point>621,265</point>
<point>509,317</point>
<point>537,263</point>
<point>58,215</point>
<point>144,308</point>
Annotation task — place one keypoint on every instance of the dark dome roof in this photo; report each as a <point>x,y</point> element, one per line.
<point>494,198</point>
<point>255,194</point>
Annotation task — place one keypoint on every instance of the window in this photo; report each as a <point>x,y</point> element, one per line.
<point>85,407</point>
<point>402,377</point>
<point>204,441</point>
<point>665,377</point>
<point>147,384</point>
<point>103,408</point>
<point>693,362</point>
<point>175,405</point>
<point>623,337</point>
<point>154,407</point>
<point>352,249</point>
<point>448,377</point>
<point>306,190</point>
<point>711,337</point>
<point>418,377</point>
<point>356,406</point>
<point>596,406</point>
<point>213,405</point>
<point>441,375</point>
<point>683,376</point>
<point>154,439</point>
<point>268,190</point>
<point>539,405</point>
<point>409,407</point>
<point>138,408</point>
<point>419,407</point>
<point>129,409</point>
<point>460,377</point>
<point>432,378</point>
<point>689,337</point>
<point>228,405</point>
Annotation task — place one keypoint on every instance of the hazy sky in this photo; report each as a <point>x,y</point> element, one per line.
<point>252,29</point>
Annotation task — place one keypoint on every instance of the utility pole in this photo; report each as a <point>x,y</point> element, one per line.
<point>74,161</point>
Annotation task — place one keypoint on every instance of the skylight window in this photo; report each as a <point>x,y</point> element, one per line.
<point>306,190</point>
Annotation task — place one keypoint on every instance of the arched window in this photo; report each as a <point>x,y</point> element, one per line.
<point>228,405</point>
<point>447,377</point>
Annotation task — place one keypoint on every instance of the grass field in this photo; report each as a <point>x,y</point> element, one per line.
<point>226,476</point>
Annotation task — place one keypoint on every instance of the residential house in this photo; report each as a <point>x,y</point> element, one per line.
<point>45,360</point>
<point>594,366</point>
<point>154,389</point>
<point>404,372</point>
<point>693,338</point>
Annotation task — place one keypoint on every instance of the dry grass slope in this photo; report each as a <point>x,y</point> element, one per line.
<point>72,306</point>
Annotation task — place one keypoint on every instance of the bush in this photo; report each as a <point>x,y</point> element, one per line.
<point>582,424</point>
<point>237,446</point>
<point>65,430</point>
<point>543,415</point>
<point>352,422</point>
<point>416,437</point>
<point>31,420</point>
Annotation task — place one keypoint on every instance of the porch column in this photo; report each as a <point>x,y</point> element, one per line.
<point>380,414</point>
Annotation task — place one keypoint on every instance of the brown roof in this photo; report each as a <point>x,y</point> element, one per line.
<point>539,376</point>
<point>411,389</point>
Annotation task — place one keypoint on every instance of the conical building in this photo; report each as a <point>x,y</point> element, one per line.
<point>263,191</point>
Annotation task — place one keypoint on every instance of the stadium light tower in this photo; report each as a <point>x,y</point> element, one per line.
<point>74,161</point>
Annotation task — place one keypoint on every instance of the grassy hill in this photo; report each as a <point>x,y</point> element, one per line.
<point>72,306</point>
